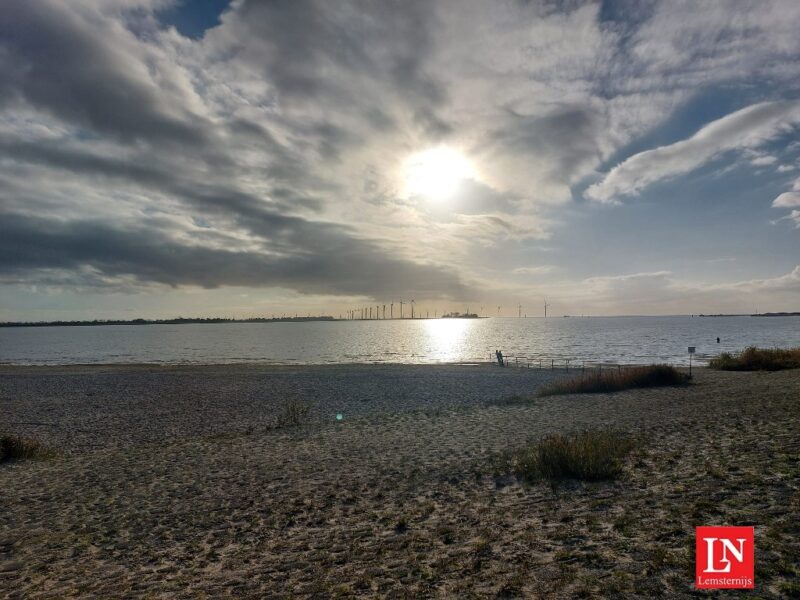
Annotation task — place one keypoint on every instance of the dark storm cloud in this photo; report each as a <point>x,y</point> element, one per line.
<point>324,260</point>
<point>70,67</point>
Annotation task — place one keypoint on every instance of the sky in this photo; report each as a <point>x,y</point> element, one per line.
<point>164,158</point>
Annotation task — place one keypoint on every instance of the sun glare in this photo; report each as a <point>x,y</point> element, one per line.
<point>446,338</point>
<point>436,173</point>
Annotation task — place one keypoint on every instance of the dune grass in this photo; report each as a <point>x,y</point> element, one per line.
<point>15,447</point>
<point>587,456</point>
<point>616,380</point>
<point>293,413</point>
<point>758,359</point>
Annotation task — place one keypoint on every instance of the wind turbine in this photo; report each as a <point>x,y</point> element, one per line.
<point>391,310</point>
<point>545,307</point>
<point>401,309</point>
<point>519,311</point>
<point>498,311</point>
<point>413,302</point>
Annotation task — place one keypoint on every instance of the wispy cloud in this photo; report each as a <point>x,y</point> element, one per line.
<point>539,270</point>
<point>749,127</point>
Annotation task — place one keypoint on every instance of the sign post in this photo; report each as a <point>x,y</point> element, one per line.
<point>691,352</point>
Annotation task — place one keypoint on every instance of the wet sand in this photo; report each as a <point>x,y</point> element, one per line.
<point>173,482</point>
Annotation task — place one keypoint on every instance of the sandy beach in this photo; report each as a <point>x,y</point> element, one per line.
<point>174,482</point>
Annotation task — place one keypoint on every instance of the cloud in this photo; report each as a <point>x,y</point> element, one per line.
<point>81,66</point>
<point>790,282</point>
<point>665,292</point>
<point>790,199</point>
<point>762,161</point>
<point>787,200</point>
<point>540,270</point>
<point>311,258</point>
<point>269,151</point>
<point>749,127</point>
<point>794,216</point>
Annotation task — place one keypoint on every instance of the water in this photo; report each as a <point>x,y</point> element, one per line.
<point>596,339</point>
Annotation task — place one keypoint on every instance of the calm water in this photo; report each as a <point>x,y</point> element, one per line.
<point>596,339</point>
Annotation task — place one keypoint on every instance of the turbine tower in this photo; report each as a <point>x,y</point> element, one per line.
<point>401,309</point>
<point>545,307</point>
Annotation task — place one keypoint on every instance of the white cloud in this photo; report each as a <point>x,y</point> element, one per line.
<point>540,270</point>
<point>762,161</point>
<point>749,127</point>
<point>794,216</point>
<point>788,282</point>
<point>787,200</point>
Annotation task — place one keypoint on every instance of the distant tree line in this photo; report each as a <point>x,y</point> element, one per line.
<point>175,321</point>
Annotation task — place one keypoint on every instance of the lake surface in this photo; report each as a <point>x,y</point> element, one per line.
<point>590,339</point>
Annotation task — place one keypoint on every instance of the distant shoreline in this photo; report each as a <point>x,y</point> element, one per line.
<point>769,314</point>
<point>323,318</point>
<point>216,320</point>
<point>176,321</point>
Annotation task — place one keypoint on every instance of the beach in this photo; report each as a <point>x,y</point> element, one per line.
<point>179,481</point>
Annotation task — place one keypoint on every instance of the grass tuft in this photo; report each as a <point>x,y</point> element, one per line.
<point>615,381</point>
<point>588,456</point>
<point>15,447</point>
<point>758,359</point>
<point>293,413</point>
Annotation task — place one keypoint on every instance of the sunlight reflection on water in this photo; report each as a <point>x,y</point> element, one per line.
<point>609,339</point>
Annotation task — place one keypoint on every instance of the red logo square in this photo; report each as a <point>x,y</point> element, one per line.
<point>724,557</point>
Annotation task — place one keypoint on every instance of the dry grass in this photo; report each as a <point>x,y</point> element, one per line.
<point>614,381</point>
<point>15,447</point>
<point>758,359</point>
<point>293,413</point>
<point>588,456</point>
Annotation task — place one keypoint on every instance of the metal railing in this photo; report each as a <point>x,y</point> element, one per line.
<point>557,363</point>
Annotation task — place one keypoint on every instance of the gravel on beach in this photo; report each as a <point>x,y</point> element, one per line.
<point>171,482</point>
<point>97,406</point>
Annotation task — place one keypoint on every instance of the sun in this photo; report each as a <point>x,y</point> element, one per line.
<point>436,173</point>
